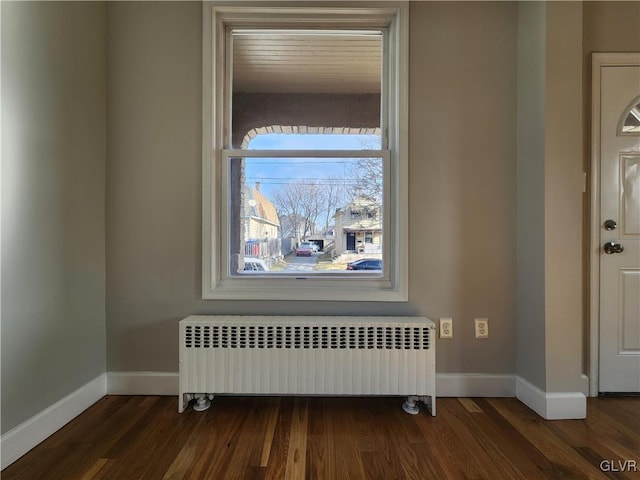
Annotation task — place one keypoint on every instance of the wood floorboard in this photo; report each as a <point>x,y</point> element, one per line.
<point>614,433</point>
<point>519,446</point>
<point>623,410</point>
<point>471,448</point>
<point>495,442</point>
<point>347,456</point>
<point>567,463</point>
<point>321,451</point>
<point>220,449</point>
<point>297,451</point>
<point>265,438</point>
<point>272,421</point>
<point>401,435</point>
<point>276,467</point>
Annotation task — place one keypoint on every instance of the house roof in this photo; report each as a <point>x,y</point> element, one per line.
<point>261,206</point>
<point>359,202</point>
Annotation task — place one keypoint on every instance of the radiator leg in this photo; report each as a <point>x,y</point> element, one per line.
<point>202,403</point>
<point>183,401</point>
<point>430,402</point>
<point>410,405</point>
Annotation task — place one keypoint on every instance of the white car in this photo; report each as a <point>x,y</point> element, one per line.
<point>253,264</point>
<point>313,246</point>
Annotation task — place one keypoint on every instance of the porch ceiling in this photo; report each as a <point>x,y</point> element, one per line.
<point>285,62</point>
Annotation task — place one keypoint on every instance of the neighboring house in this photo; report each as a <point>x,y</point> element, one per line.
<point>261,225</point>
<point>359,227</point>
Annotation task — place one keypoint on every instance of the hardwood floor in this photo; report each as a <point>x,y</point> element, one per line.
<point>125,437</point>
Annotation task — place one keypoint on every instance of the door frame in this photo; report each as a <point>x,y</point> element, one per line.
<point>598,61</point>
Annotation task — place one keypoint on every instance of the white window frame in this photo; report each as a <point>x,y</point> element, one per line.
<point>217,283</point>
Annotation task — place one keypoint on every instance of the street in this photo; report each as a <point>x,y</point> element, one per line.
<point>301,264</point>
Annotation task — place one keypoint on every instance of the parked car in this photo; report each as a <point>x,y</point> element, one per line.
<point>253,264</point>
<point>304,250</point>
<point>365,264</point>
<point>314,246</point>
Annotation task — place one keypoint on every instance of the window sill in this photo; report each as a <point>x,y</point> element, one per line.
<point>307,289</point>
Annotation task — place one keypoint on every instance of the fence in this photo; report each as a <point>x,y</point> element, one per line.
<point>269,249</point>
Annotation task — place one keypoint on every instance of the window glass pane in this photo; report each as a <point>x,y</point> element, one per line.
<point>632,121</point>
<point>319,141</point>
<point>305,82</point>
<point>305,215</point>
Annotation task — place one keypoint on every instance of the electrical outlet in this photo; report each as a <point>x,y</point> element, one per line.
<point>446,328</point>
<point>482,328</point>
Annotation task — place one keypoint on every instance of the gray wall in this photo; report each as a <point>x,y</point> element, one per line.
<point>462,215</point>
<point>53,220</point>
<point>563,188</point>
<point>462,177</point>
<point>154,54</point>
<point>550,195</point>
<point>530,338</point>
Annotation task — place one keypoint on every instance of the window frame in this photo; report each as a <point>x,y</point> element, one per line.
<point>216,281</point>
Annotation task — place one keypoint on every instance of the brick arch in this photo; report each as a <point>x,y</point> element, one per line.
<point>253,111</point>
<point>302,130</point>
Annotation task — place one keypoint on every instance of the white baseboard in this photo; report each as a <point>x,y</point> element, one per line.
<point>475,385</point>
<point>142,383</point>
<point>584,382</point>
<point>27,435</point>
<point>552,406</point>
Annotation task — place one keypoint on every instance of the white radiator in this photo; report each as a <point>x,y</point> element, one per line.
<point>306,355</point>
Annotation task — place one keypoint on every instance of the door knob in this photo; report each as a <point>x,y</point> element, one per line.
<point>612,247</point>
<point>610,225</point>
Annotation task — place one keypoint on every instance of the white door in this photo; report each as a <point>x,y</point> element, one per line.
<point>619,344</point>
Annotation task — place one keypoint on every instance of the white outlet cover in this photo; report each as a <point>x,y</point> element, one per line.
<point>446,328</point>
<point>482,327</point>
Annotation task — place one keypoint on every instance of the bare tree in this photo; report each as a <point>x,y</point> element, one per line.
<point>368,172</point>
<point>305,205</point>
<point>334,194</point>
<point>287,202</point>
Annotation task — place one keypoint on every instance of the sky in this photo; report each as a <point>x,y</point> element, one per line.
<point>273,173</point>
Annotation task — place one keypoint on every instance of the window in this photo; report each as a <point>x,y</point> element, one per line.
<point>305,151</point>
<point>630,121</point>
